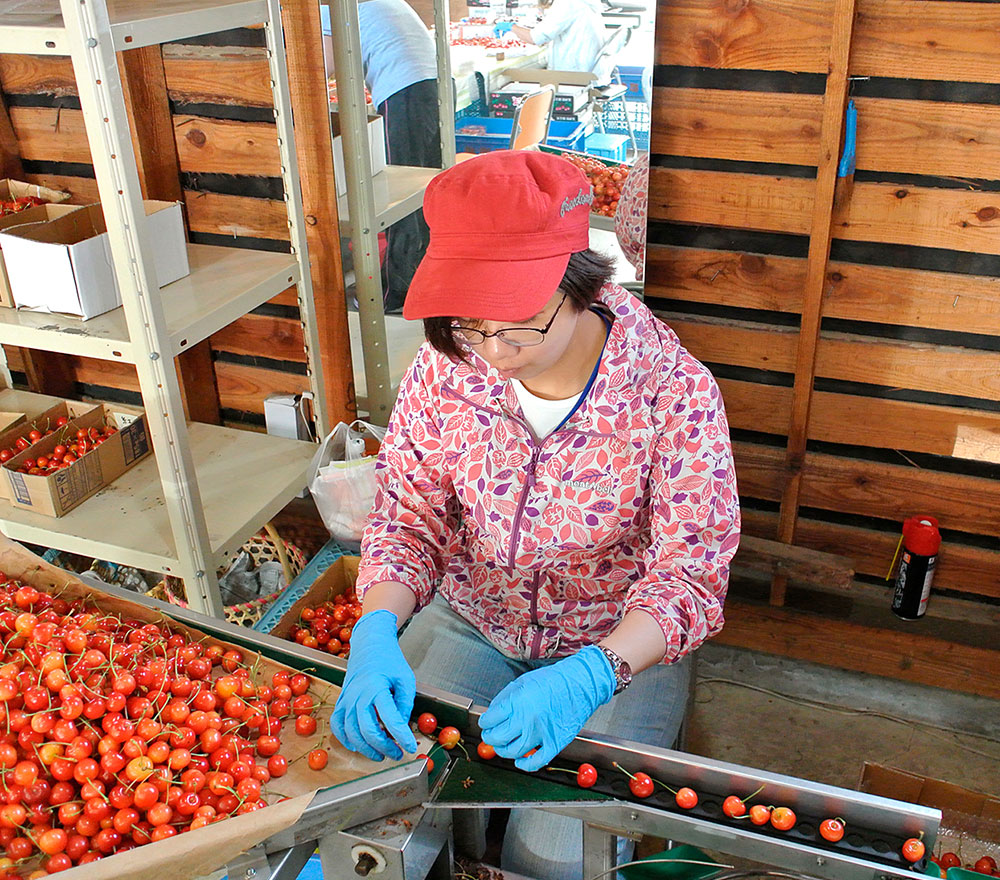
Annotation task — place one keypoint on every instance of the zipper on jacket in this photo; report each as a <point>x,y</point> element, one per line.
<point>529,484</point>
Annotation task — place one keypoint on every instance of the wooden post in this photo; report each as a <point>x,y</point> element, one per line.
<point>314,149</point>
<point>834,106</point>
<point>145,86</point>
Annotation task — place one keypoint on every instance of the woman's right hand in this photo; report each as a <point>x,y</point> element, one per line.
<point>373,710</point>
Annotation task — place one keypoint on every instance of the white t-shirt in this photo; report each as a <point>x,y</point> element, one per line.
<point>543,416</point>
<point>576,31</point>
<point>396,49</point>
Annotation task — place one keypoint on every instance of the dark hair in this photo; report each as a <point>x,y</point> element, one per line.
<point>585,275</point>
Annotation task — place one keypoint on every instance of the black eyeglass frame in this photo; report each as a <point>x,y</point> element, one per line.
<point>542,331</point>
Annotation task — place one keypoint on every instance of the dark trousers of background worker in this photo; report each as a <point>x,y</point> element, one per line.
<point>412,137</point>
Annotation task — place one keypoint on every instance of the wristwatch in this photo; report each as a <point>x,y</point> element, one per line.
<point>620,667</point>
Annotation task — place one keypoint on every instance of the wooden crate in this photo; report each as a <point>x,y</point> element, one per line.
<point>856,345</point>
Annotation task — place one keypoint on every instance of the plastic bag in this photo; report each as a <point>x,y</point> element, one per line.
<point>342,480</point>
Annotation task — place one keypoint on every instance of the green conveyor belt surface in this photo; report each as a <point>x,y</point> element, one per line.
<point>494,785</point>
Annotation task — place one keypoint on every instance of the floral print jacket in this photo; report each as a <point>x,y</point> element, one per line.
<point>544,546</point>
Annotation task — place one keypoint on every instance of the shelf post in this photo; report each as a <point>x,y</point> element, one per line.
<point>361,206</point>
<point>95,66</point>
<point>446,88</point>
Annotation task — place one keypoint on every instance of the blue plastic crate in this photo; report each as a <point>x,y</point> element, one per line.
<point>607,146</point>
<point>615,123</point>
<point>566,133</point>
<point>632,77</point>
<point>328,554</point>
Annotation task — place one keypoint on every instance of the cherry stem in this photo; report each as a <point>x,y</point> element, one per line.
<point>574,772</point>
<point>618,766</point>
<point>673,791</point>
<point>751,796</point>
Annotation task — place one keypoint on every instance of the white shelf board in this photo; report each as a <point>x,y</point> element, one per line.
<point>36,26</point>
<point>224,284</point>
<point>398,191</point>
<point>245,478</point>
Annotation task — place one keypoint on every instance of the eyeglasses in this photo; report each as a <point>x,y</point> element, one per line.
<point>519,337</point>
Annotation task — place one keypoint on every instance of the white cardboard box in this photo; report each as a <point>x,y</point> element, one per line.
<point>376,139</point>
<point>64,265</point>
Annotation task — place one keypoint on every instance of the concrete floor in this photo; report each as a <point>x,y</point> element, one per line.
<point>925,730</point>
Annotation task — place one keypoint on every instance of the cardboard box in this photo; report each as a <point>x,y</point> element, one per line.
<point>59,493</point>
<point>64,265</point>
<point>338,578</point>
<point>970,820</point>
<point>43,421</point>
<point>11,420</point>
<point>38,214</point>
<point>376,140</point>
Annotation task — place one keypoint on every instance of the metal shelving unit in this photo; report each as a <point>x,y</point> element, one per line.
<point>186,509</point>
<point>369,212</point>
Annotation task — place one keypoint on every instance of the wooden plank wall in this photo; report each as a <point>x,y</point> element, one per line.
<point>904,393</point>
<point>219,89</point>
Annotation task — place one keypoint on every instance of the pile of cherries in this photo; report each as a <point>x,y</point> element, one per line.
<point>984,865</point>
<point>115,732</point>
<point>16,206</point>
<point>606,180</point>
<point>32,436</point>
<point>68,453</point>
<point>328,625</point>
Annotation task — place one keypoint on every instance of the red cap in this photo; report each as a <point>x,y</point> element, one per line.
<point>921,535</point>
<point>503,226</point>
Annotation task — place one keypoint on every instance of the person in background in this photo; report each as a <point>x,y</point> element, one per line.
<point>631,215</point>
<point>555,497</point>
<point>400,65</point>
<point>575,34</point>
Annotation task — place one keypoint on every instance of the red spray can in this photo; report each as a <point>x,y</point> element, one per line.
<point>921,542</point>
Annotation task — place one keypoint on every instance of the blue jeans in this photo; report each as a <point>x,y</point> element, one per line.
<point>450,654</point>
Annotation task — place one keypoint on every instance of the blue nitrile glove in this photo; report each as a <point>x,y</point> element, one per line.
<point>378,680</point>
<point>502,27</point>
<point>546,708</point>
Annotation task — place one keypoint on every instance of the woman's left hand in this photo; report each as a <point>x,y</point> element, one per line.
<point>546,708</point>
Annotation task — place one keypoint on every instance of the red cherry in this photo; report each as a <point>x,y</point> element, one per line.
<point>586,775</point>
<point>831,829</point>
<point>734,807</point>
<point>686,798</point>
<point>913,850</point>
<point>783,818</point>
<point>427,723</point>
<point>641,785</point>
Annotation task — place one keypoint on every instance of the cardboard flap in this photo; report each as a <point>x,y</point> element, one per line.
<point>71,228</point>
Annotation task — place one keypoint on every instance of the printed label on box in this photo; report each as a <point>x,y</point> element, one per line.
<point>135,442</point>
<point>75,483</point>
<point>20,489</point>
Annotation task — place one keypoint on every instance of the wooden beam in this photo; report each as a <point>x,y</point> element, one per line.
<point>82,190</point>
<point>314,148</point>
<point>956,219</point>
<point>908,656</point>
<point>922,366</point>
<point>762,35</point>
<point>744,126</point>
<point>51,134</point>
<point>10,151</point>
<point>927,39</point>
<point>961,568</point>
<point>853,292</point>
<point>834,105</point>
<point>145,92</point>
<point>236,215</point>
<point>755,407</point>
<point>250,335</point>
<point>797,563</point>
<point>730,199</point>
<point>740,280</point>
<point>928,137</point>
<point>739,343</point>
<point>218,74</point>
<point>228,146</point>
